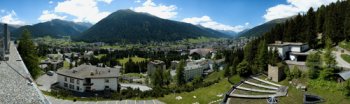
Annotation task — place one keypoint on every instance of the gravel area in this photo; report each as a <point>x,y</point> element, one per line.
<point>135,86</point>
<point>14,88</point>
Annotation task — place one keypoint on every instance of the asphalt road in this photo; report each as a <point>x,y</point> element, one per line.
<point>60,101</point>
<point>340,61</point>
<point>46,81</point>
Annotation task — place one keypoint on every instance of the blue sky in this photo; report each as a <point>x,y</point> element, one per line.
<point>231,15</point>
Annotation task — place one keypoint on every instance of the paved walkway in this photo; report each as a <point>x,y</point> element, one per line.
<point>256,90</point>
<point>267,82</point>
<point>60,101</point>
<point>254,96</point>
<point>259,85</point>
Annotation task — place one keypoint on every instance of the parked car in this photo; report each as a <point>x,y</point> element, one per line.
<point>50,73</point>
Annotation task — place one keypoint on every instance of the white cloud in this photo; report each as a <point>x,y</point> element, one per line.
<point>106,1</point>
<point>2,11</point>
<point>11,18</point>
<point>50,2</point>
<point>48,15</point>
<point>82,10</point>
<point>159,10</point>
<point>137,1</point>
<point>207,22</point>
<point>293,7</point>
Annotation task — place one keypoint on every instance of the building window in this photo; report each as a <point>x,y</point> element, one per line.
<point>77,81</point>
<point>65,79</point>
<point>106,87</point>
<point>65,85</point>
<point>71,80</point>
<point>71,86</point>
<point>106,80</point>
<point>78,88</point>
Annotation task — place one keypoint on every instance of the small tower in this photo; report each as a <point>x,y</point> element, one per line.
<point>6,39</point>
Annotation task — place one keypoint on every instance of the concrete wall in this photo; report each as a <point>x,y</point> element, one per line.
<point>281,50</point>
<point>275,73</point>
<point>61,80</point>
<point>296,49</point>
<point>99,84</point>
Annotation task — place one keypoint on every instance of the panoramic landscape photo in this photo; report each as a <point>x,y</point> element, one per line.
<point>175,52</point>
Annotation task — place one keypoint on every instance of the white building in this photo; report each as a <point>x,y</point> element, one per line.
<point>87,78</point>
<point>196,68</point>
<point>192,71</point>
<point>289,50</point>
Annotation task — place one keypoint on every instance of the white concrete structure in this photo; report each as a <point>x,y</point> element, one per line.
<point>294,49</point>
<point>88,78</point>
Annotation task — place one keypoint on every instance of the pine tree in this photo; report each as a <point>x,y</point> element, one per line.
<point>27,50</point>
<point>347,22</point>
<point>310,30</point>
<point>313,62</point>
<point>243,68</point>
<point>227,71</point>
<point>329,60</point>
<point>262,56</point>
<point>180,73</point>
<point>320,18</point>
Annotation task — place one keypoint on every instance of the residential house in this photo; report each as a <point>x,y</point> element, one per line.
<point>51,64</point>
<point>88,78</point>
<point>343,76</point>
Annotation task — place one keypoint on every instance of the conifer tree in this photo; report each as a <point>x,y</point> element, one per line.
<point>27,50</point>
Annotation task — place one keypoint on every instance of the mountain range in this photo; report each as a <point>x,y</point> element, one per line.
<point>263,28</point>
<point>130,26</point>
<point>54,28</point>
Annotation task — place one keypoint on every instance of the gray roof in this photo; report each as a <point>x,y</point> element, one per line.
<point>14,89</point>
<point>89,71</point>
<point>287,44</point>
<point>345,74</point>
<point>303,53</point>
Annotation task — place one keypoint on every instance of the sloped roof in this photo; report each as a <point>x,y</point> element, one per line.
<point>345,74</point>
<point>16,89</point>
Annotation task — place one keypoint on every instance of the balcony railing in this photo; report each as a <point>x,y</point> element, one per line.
<point>88,84</point>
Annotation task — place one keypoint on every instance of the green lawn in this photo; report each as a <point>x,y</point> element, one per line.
<point>65,65</point>
<point>332,92</point>
<point>345,45</point>
<point>134,59</point>
<point>203,95</point>
<point>100,56</point>
<point>214,76</point>
<point>346,57</point>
